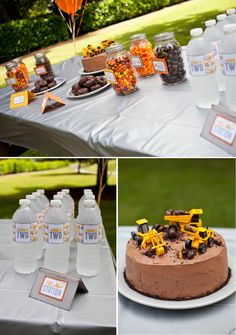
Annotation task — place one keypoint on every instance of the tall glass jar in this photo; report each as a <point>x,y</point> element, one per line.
<point>142,55</point>
<point>22,65</point>
<point>121,73</point>
<point>43,66</point>
<point>170,63</point>
<point>16,77</point>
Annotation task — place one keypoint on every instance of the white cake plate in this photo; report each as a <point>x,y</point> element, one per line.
<point>223,293</point>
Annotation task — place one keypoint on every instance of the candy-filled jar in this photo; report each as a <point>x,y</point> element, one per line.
<point>170,62</point>
<point>43,66</point>
<point>121,73</point>
<point>16,77</point>
<point>23,67</point>
<point>142,55</point>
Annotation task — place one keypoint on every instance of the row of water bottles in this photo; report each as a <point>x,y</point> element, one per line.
<point>212,61</point>
<point>39,224</point>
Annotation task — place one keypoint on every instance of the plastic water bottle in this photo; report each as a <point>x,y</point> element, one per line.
<point>25,236</point>
<point>56,235</point>
<point>213,36</point>
<point>228,59</point>
<point>86,190</point>
<point>39,203</point>
<point>221,18</point>
<point>231,16</point>
<point>88,251</point>
<point>43,198</point>
<point>202,67</point>
<point>67,208</point>
<point>70,201</point>
<point>37,215</point>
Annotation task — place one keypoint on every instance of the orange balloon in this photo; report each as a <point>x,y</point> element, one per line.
<point>69,6</point>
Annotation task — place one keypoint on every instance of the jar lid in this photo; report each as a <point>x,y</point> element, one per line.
<point>230,11</point>
<point>138,37</point>
<point>221,17</point>
<point>164,36</point>
<point>39,55</point>
<point>229,28</point>
<point>10,65</point>
<point>17,60</point>
<point>210,23</point>
<point>114,48</point>
<point>196,32</point>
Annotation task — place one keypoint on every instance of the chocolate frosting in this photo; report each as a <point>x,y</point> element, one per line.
<point>173,278</point>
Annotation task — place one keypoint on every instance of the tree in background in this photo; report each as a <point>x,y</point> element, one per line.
<point>101,178</point>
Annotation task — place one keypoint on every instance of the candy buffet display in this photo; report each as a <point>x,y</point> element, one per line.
<point>142,55</point>
<point>88,84</point>
<point>23,67</point>
<point>43,66</point>
<point>16,77</point>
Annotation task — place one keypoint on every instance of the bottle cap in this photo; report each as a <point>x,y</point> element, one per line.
<point>221,17</point>
<point>114,48</point>
<point>89,196</point>
<point>89,203</point>
<point>210,23</point>
<point>30,197</point>
<point>58,197</point>
<point>229,28</point>
<point>61,193</point>
<point>196,32</point>
<point>65,190</point>
<point>36,194</point>
<point>55,203</point>
<point>230,11</point>
<point>41,191</point>
<point>88,190</point>
<point>25,202</point>
<point>138,37</point>
<point>164,36</point>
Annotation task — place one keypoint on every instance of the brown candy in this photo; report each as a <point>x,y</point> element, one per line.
<point>95,87</point>
<point>83,91</point>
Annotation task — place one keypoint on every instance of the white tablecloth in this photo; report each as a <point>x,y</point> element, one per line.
<point>155,121</point>
<point>219,318</point>
<point>91,313</point>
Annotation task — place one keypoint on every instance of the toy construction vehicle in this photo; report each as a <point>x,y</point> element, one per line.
<point>191,224</point>
<point>144,236</point>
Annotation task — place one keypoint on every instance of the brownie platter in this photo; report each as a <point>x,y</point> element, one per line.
<point>179,260</point>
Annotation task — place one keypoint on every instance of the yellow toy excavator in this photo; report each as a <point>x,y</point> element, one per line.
<point>191,224</point>
<point>144,236</point>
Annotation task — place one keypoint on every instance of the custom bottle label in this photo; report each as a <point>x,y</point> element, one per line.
<point>56,233</point>
<point>160,66</point>
<point>110,76</point>
<point>87,234</point>
<point>202,65</point>
<point>228,64</point>
<point>137,61</point>
<point>40,69</point>
<point>25,233</point>
<point>11,81</point>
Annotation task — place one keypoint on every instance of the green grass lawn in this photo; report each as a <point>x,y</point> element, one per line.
<point>179,18</point>
<point>148,187</point>
<point>15,186</point>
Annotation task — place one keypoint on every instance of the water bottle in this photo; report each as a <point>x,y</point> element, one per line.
<point>43,198</point>
<point>202,68</point>
<point>228,60</point>
<point>37,214</point>
<point>88,250</point>
<point>39,203</point>
<point>213,36</point>
<point>56,235</point>
<point>231,16</point>
<point>86,190</point>
<point>67,208</point>
<point>221,18</point>
<point>25,231</point>
<point>70,201</point>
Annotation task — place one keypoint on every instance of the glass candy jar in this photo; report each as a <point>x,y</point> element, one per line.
<point>23,67</point>
<point>120,70</point>
<point>43,66</point>
<point>170,60</point>
<point>142,55</point>
<point>16,77</point>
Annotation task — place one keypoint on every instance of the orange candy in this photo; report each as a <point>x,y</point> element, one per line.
<point>142,57</point>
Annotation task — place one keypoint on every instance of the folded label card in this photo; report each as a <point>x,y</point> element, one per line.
<point>220,129</point>
<point>56,289</point>
<point>21,99</point>
<point>47,97</point>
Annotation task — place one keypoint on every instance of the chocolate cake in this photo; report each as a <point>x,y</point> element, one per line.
<point>178,261</point>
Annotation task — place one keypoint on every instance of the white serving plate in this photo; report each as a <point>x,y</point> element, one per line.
<point>59,82</point>
<point>72,96</point>
<point>223,293</point>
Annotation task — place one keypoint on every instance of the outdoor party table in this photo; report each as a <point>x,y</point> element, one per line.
<point>156,120</point>
<point>91,313</point>
<point>214,319</point>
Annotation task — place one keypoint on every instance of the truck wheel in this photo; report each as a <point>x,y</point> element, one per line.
<point>202,248</point>
<point>133,234</point>
<point>138,240</point>
<point>188,244</point>
<point>210,242</point>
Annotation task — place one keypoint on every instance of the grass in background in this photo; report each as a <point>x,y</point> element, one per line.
<point>15,186</point>
<point>179,18</point>
<point>148,187</point>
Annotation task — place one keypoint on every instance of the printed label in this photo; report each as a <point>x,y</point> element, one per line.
<point>110,77</point>
<point>19,99</point>
<point>25,233</point>
<point>39,70</point>
<point>202,65</point>
<point>228,63</point>
<point>137,61</point>
<point>11,81</point>
<point>87,234</point>
<point>160,66</point>
<point>53,288</point>
<point>224,129</point>
<point>56,233</point>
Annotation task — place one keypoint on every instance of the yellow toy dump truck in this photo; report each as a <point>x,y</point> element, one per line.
<point>190,223</point>
<point>144,237</point>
